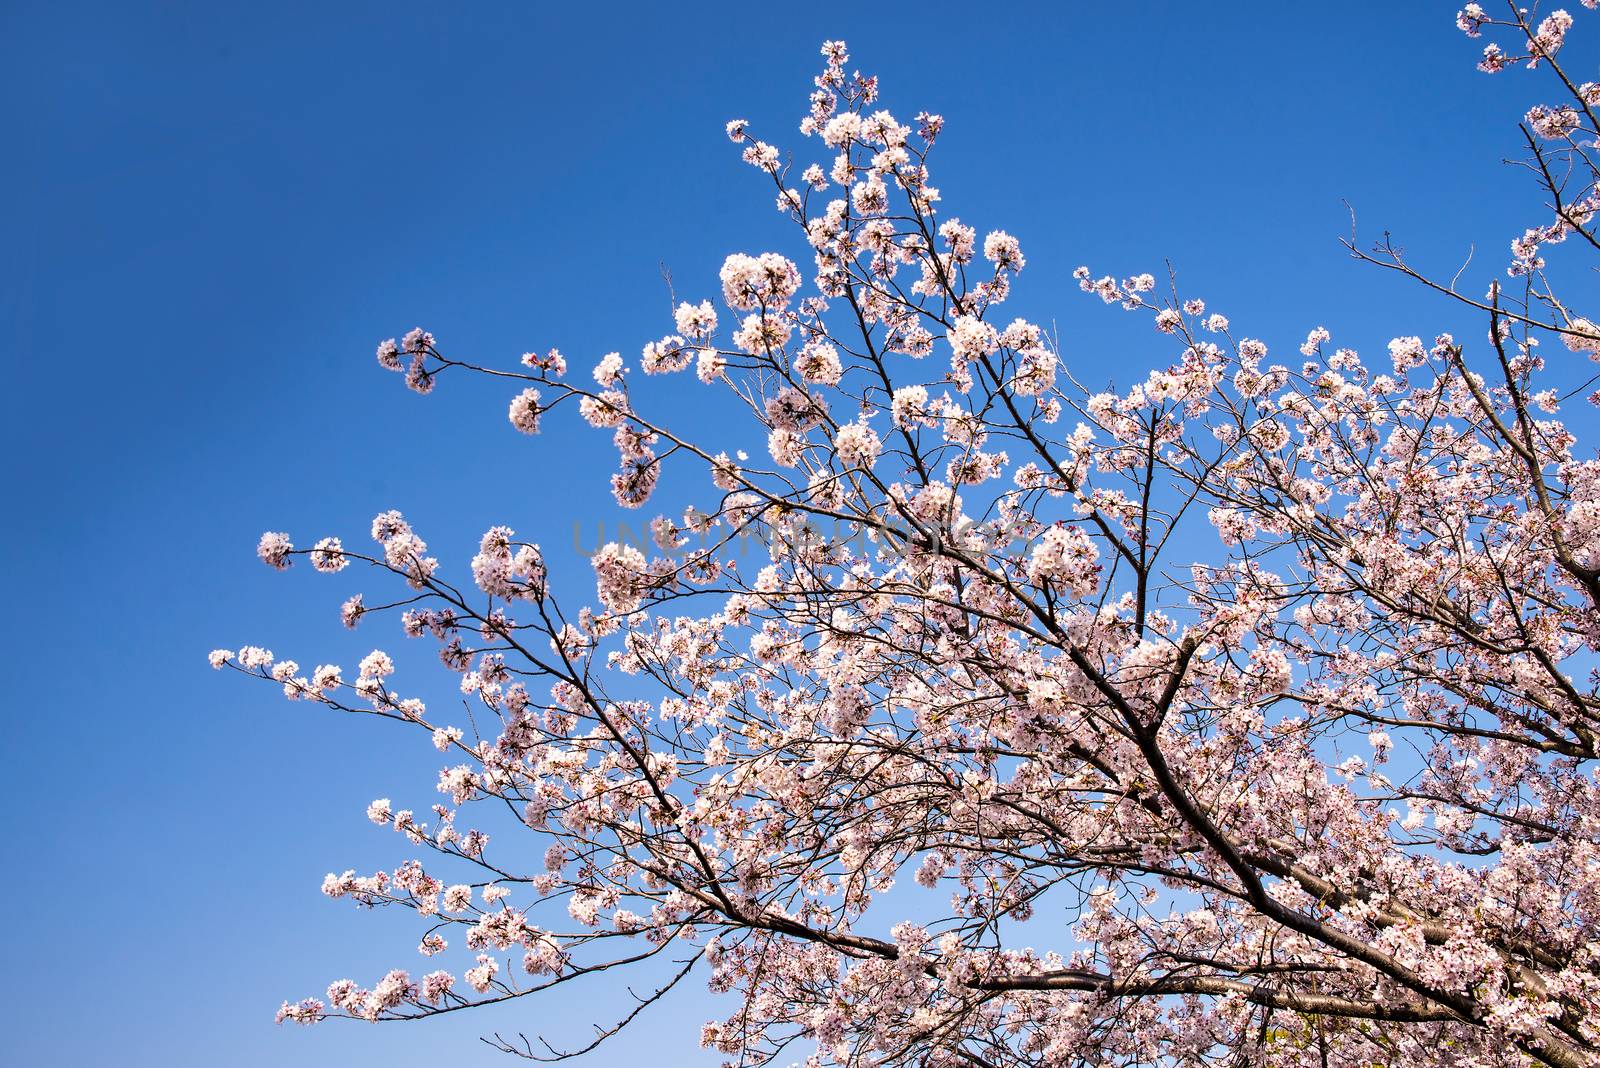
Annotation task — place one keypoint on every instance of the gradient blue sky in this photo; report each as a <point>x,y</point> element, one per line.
<point>216,211</point>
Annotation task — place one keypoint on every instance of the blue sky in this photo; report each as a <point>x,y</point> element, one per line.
<point>218,210</point>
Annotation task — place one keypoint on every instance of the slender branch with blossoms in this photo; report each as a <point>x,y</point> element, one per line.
<point>1273,678</point>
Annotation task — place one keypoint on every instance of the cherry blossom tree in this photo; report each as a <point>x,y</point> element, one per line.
<point>1274,677</point>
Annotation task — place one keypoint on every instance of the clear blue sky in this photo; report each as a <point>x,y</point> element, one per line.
<point>215,211</point>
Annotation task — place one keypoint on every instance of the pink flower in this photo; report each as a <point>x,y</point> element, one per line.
<point>274,550</point>
<point>524,412</point>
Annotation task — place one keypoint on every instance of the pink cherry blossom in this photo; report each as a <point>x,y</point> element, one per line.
<point>1232,712</point>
